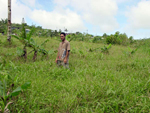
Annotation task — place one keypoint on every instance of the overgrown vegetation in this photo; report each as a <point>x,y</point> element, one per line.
<point>96,82</point>
<point>6,93</point>
<point>7,84</point>
<point>102,78</point>
<point>28,41</point>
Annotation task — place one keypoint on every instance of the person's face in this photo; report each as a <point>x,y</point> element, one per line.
<point>62,37</point>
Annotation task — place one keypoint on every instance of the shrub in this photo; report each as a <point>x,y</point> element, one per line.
<point>96,39</point>
<point>131,40</point>
<point>117,38</point>
<point>124,39</point>
<point>113,40</point>
<point>9,44</point>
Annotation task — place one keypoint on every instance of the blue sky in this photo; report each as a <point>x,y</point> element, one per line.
<point>93,16</point>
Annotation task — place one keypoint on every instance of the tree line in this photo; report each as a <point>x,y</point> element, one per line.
<point>117,38</point>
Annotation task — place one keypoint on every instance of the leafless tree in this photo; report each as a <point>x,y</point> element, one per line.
<point>9,21</point>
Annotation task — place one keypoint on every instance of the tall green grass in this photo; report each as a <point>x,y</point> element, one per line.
<point>95,82</point>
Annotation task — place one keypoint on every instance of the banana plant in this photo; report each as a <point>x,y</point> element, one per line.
<point>38,48</point>
<point>6,93</point>
<point>132,51</point>
<point>25,38</point>
<point>93,49</point>
<point>28,41</point>
<point>69,38</point>
<point>105,49</point>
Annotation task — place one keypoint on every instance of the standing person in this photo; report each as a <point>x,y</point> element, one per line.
<point>63,52</point>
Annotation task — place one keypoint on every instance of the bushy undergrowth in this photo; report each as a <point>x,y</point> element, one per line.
<point>95,82</point>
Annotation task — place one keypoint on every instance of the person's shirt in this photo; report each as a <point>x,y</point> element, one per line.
<point>63,48</point>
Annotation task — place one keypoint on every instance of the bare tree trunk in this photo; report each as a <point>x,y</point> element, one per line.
<point>9,21</point>
<point>35,55</point>
<point>24,52</point>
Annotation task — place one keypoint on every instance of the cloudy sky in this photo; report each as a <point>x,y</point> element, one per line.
<point>93,16</point>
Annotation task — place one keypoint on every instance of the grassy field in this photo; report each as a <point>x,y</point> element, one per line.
<point>96,82</point>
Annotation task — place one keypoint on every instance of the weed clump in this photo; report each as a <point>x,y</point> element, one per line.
<point>10,44</point>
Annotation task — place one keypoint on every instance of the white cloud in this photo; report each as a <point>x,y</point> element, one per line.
<point>139,16</point>
<point>3,9</point>
<point>68,19</point>
<point>59,18</point>
<point>19,10</point>
<point>29,2</point>
<point>70,14</point>
<point>99,13</point>
<point>122,1</point>
<point>102,14</point>
<point>62,3</point>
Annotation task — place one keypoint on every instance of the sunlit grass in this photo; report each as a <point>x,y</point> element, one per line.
<point>95,82</point>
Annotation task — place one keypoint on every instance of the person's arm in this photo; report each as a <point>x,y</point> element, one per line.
<point>67,54</point>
